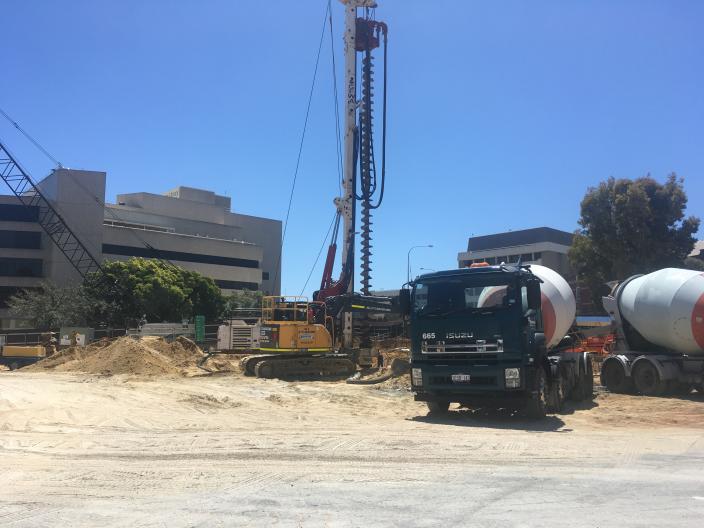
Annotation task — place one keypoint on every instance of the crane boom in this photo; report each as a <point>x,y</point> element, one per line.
<point>49,219</point>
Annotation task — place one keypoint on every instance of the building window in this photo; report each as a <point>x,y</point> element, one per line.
<point>537,256</point>
<point>19,267</point>
<point>155,253</point>
<point>20,239</point>
<point>265,275</point>
<point>526,257</point>
<point>19,213</point>
<point>236,285</point>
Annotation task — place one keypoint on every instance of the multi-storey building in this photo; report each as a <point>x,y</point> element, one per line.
<point>540,245</point>
<point>192,228</point>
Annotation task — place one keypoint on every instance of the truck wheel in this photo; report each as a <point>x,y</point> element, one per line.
<point>14,365</point>
<point>556,395</point>
<point>613,377</point>
<point>647,379</point>
<point>538,402</point>
<point>438,407</point>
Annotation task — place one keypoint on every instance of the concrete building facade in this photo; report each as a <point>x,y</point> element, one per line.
<point>541,245</point>
<point>192,228</point>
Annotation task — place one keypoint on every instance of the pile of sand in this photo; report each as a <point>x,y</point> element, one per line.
<point>148,356</point>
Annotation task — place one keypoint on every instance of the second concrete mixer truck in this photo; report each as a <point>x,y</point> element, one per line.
<point>658,322</point>
<point>495,336</point>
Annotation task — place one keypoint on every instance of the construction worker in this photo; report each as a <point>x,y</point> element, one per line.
<point>51,349</point>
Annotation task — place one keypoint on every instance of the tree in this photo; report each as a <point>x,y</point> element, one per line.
<point>161,291</point>
<point>694,263</point>
<point>242,300</point>
<point>629,227</point>
<point>51,306</point>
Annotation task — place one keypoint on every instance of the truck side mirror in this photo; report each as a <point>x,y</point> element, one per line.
<point>404,301</point>
<point>534,299</point>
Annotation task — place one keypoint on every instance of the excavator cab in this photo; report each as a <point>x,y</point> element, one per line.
<point>295,325</point>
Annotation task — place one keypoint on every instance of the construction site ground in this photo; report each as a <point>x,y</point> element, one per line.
<point>220,449</point>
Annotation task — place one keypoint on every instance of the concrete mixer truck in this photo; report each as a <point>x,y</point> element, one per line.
<point>658,321</point>
<point>494,336</point>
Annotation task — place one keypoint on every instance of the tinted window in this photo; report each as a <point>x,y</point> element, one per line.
<point>452,295</point>
<point>18,267</point>
<point>130,251</point>
<point>18,213</point>
<point>20,239</point>
<point>236,285</point>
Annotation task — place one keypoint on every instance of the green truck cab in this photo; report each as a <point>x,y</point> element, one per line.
<point>477,339</point>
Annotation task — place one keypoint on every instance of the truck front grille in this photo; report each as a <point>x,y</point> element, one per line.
<point>478,347</point>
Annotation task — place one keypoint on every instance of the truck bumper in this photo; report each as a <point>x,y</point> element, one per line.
<point>487,383</point>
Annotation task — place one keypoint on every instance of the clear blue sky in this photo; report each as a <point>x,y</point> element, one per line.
<point>501,114</point>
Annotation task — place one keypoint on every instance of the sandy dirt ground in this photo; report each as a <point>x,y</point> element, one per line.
<point>224,450</point>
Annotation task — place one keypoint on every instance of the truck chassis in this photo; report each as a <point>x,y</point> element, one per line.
<point>652,374</point>
<point>543,388</point>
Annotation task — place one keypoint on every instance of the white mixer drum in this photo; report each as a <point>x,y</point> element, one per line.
<point>558,304</point>
<point>667,308</point>
<point>491,296</point>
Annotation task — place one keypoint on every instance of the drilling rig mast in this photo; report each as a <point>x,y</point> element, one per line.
<point>362,35</point>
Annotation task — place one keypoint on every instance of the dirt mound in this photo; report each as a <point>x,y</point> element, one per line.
<point>148,356</point>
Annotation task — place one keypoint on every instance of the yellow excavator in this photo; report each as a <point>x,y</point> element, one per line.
<point>297,338</point>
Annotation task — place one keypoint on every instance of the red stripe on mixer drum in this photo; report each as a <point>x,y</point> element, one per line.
<point>549,322</point>
<point>698,322</point>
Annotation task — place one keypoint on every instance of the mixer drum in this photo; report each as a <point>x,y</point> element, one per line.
<point>667,308</point>
<point>558,305</point>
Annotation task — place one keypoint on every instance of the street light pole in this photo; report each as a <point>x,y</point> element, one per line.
<point>408,260</point>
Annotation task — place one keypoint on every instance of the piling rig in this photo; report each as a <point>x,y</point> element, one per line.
<point>361,183</point>
<point>349,312</point>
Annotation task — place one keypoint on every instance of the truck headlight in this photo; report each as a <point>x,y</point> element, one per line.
<point>416,377</point>
<point>512,377</point>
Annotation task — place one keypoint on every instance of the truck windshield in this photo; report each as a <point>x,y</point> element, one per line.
<point>441,298</point>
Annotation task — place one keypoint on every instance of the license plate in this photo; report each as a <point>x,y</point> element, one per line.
<point>460,378</point>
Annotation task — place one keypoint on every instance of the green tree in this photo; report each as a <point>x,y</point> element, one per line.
<point>629,227</point>
<point>161,291</point>
<point>51,306</point>
<point>242,300</point>
<point>694,263</point>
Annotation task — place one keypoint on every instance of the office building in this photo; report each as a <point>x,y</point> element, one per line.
<point>541,245</point>
<point>192,228</point>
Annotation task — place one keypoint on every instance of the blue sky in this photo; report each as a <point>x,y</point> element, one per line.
<point>501,114</point>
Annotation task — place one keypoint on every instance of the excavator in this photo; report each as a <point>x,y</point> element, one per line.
<point>331,334</point>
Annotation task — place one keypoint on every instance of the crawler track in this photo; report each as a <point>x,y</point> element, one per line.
<point>302,365</point>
